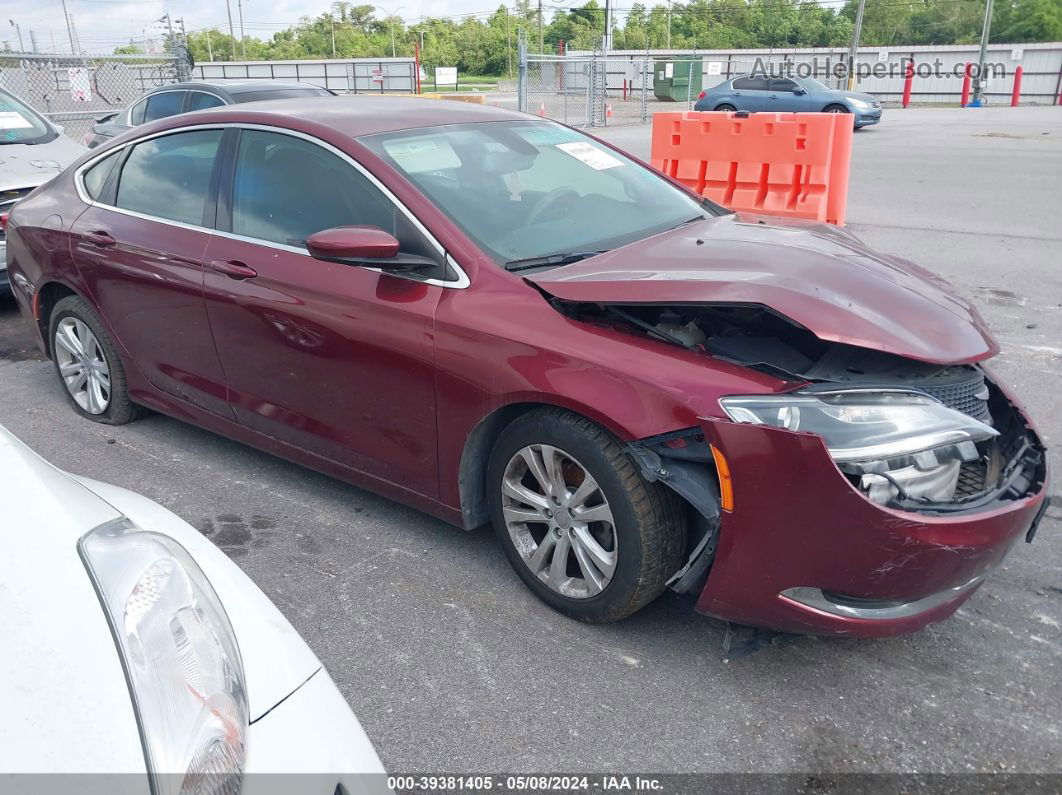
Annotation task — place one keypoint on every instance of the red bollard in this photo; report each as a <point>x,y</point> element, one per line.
<point>908,83</point>
<point>1015,95</point>
<point>965,87</point>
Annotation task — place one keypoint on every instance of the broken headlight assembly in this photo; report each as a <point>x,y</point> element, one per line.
<point>892,443</point>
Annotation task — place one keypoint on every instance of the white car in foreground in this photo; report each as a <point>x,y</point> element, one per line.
<point>133,647</point>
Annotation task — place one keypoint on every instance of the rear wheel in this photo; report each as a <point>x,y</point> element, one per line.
<point>725,107</point>
<point>580,525</point>
<point>88,365</point>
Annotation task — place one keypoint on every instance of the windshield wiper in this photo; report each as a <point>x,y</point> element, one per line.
<point>550,260</point>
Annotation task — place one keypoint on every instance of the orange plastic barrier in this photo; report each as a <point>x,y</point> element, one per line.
<point>792,164</point>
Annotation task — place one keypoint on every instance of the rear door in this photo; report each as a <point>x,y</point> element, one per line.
<point>333,359</point>
<point>750,93</point>
<point>139,247</point>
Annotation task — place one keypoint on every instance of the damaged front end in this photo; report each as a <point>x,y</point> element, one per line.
<point>928,442</point>
<point>910,435</point>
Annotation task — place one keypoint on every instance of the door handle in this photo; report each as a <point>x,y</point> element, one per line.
<point>100,238</point>
<point>234,269</point>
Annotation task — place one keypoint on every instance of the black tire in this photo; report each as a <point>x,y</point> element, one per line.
<point>725,106</point>
<point>649,524</point>
<point>835,109</point>
<point>120,409</point>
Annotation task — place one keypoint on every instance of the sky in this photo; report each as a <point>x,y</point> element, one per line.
<point>102,25</point>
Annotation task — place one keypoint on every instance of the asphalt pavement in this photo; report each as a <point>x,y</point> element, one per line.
<point>452,665</point>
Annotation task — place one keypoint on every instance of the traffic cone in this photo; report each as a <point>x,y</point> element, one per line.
<point>608,111</point>
<point>542,109</point>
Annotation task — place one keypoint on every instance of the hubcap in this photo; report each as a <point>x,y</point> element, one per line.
<point>82,365</point>
<point>559,521</point>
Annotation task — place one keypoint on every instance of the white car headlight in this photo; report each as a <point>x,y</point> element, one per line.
<point>180,658</point>
<point>900,443</point>
<point>859,103</point>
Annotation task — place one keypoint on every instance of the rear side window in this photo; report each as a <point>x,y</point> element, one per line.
<point>169,177</point>
<point>751,84</point>
<point>201,100</point>
<point>168,103</point>
<point>285,189</point>
<point>96,177</point>
<point>136,115</point>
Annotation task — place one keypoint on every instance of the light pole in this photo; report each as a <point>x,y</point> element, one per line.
<point>979,83</point>
<point>18,30</point>
<point>856,31</point>
<point>391,25</point>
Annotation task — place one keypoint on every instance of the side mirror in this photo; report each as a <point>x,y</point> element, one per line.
<point>799,92</point>
<point>367,246</point>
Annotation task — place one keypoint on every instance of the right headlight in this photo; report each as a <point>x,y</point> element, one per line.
<point>898,443</point>
<point>180,658</point>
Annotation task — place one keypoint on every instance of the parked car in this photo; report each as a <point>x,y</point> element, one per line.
<point>170,100</point>
<point>757,93</point>
<point>493,317</point>
<point>134,646</point>
<point>32,151</point>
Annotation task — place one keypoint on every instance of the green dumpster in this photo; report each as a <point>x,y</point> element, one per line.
<point>678,79</point>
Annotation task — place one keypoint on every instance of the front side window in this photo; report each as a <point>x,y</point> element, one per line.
<point>201,100</point>
<point>532,189</point>
<point>783,84</point>
<point>287,188</point>
<point>20,124</point>
<point>750,84</point>
<point>160,106</point>
<point>169,177</point>
<point>96,177</point>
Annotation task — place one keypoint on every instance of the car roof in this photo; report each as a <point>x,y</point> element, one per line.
<point>234,87</point>
<point>351,115</point>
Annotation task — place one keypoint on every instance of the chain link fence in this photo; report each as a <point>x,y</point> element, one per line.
<point>73,90</point>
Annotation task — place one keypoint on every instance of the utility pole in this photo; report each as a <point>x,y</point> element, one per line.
<point>69,30</point>
<point>607,41</point>
<point>243,42</point>
<point>332,21</point>
<point>541,37</point>
<point>668,26</point>
<point>232,33</point>
<point>855,43</point>
<point>33,42</point>
<point>210,50</point>
<point>508,46</point>
<point>18,30</point>
<point>979,83</point>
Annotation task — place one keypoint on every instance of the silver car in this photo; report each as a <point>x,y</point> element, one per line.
<point>32,151</point>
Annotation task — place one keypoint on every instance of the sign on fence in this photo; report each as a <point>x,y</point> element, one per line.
<point>80,84</point>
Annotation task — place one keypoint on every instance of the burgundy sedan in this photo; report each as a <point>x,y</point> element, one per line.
<point>501,320</point>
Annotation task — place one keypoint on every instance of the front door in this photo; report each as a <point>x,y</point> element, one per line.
<point>783,96</point>
<point>334,359</point>
<point>140,250</point>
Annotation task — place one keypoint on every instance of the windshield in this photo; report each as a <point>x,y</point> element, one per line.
<point>811,84</point>
<point>527,189</point>
<point>19,124</point>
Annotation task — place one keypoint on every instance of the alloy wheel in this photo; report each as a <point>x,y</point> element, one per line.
<point>82,365</point>
<point>559,521</point>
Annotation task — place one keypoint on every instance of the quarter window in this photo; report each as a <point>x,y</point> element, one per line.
<point>169,177</point>
<point>167,103</point>
<point>750,84</point>
<point>96,177</point>
<point>201,100</point>
<point>136,115</point>
<point>286,188</point>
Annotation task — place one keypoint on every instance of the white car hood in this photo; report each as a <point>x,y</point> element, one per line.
<point>30,165</point>
<point>66,703</point>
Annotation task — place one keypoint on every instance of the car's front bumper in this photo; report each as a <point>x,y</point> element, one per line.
<point>311,743</point>
<point>864,118</point>
<point>804,551</point>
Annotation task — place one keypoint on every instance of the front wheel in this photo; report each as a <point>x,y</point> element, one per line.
<point>580,525</point>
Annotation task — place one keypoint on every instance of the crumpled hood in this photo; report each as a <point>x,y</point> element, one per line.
<point>27,166</point>
<point>816,275</point>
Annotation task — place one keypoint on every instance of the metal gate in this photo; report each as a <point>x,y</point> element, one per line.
<point>590,91</point>
<point>73,90</point>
